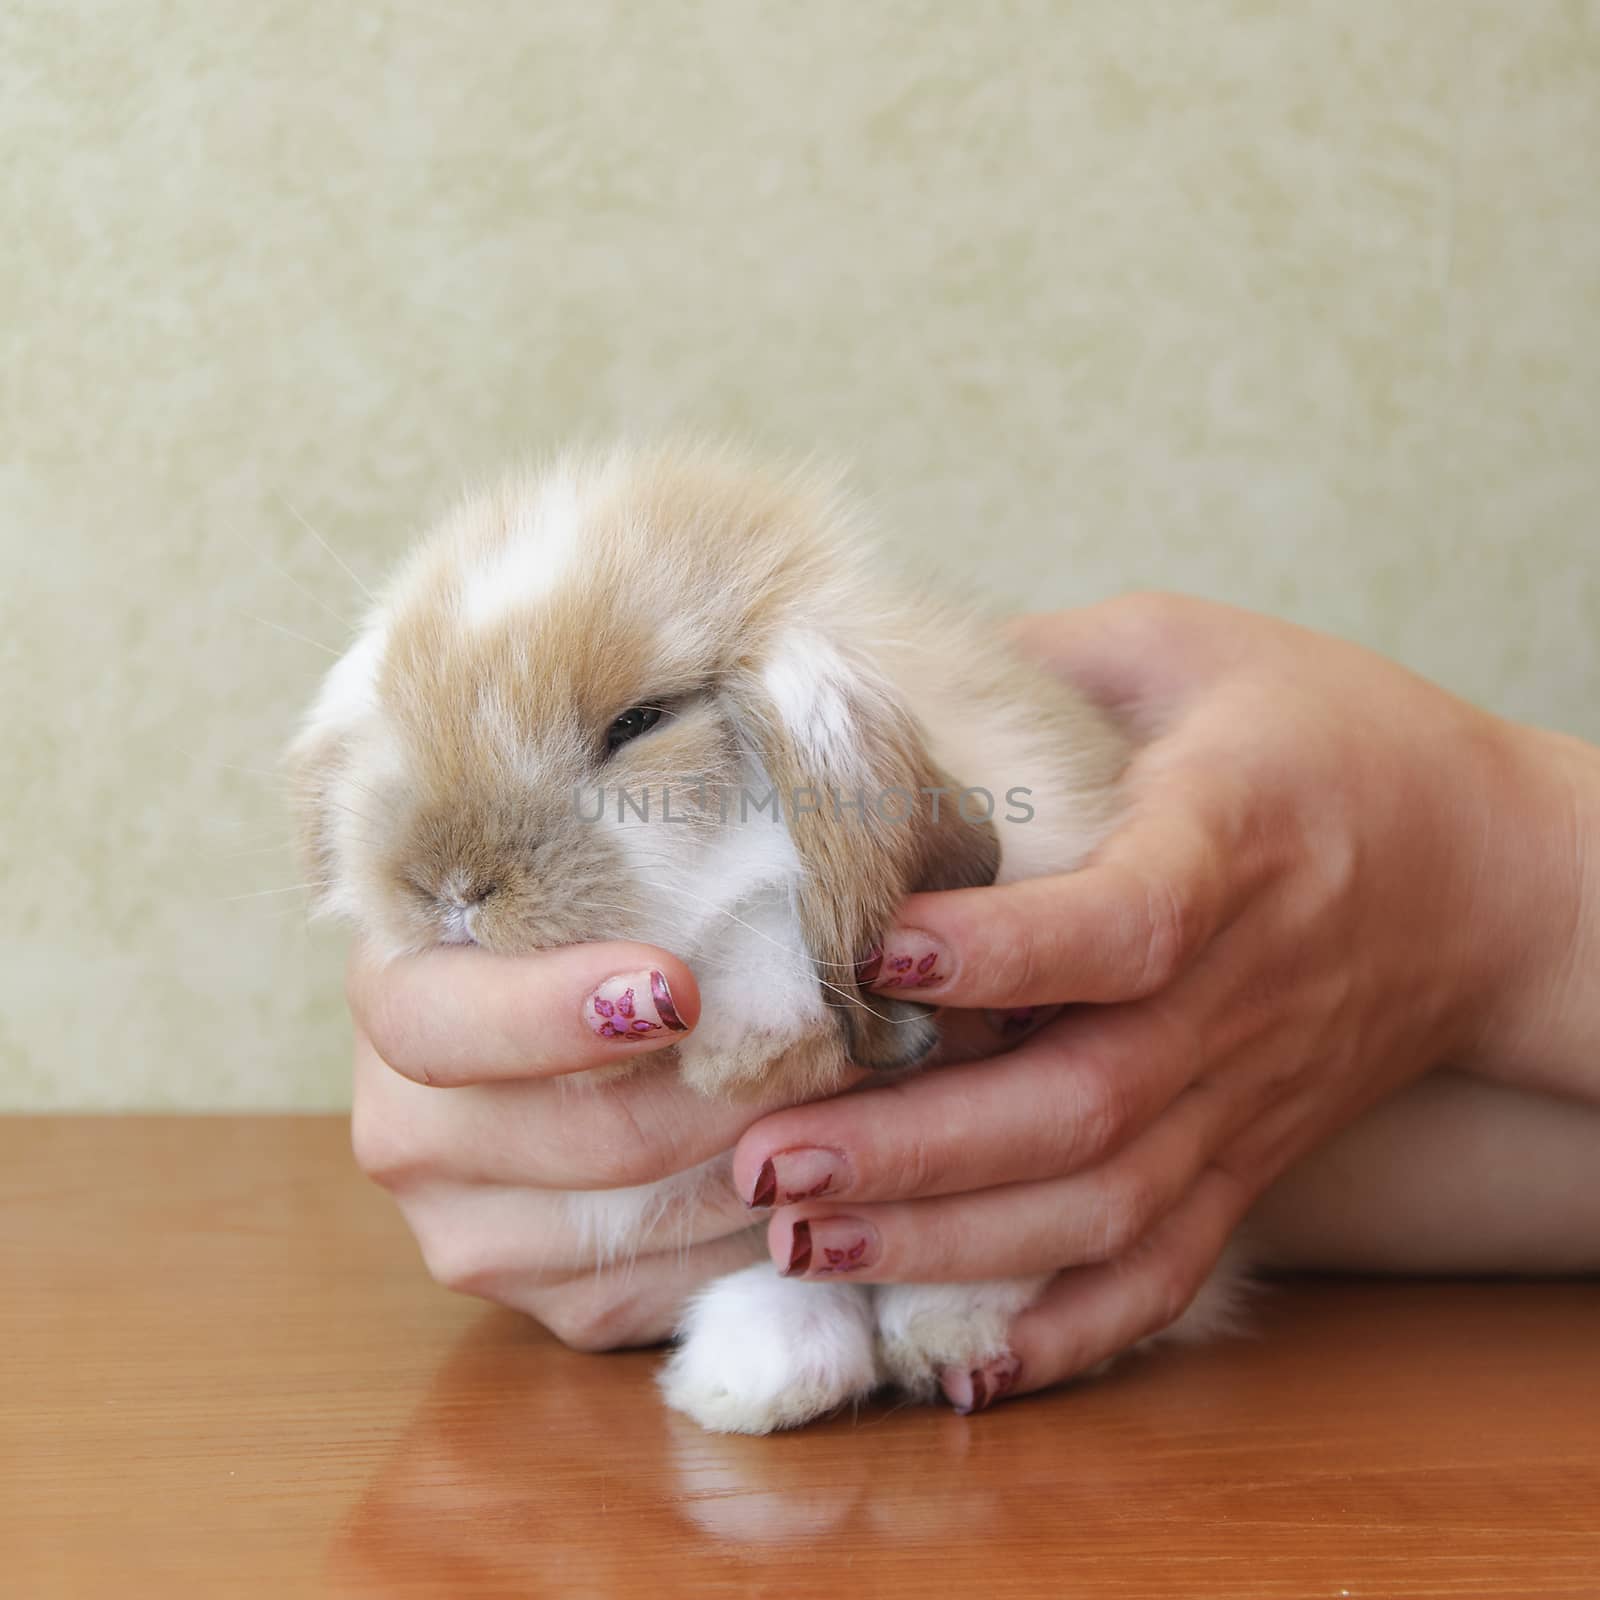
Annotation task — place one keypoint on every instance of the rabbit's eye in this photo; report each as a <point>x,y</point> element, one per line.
<point>633,722</point>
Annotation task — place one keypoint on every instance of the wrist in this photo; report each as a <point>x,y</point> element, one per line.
<point>1539,963</point>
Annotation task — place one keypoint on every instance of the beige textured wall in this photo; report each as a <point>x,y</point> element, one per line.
<point>1293,304</point>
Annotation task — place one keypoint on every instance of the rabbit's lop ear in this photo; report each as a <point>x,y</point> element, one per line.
<point>848,767</point>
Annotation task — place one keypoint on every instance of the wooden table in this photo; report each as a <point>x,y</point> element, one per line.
<point>224,1373</point>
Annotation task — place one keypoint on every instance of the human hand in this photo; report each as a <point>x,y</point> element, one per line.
<point>1313,898</point>
<point>465,1112</point>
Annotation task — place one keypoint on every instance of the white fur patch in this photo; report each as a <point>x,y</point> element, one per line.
<point>807,679</point>
<point>926,1327</point>
<point>725,903</point>
<point>613,1224</point>
<point>349,691</point>
<point>539,551</point>
<point>760,1352</point>
<point>695,880</point>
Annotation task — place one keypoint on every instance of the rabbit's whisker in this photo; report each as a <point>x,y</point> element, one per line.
<point>289,633</point>
<point>339,560</point>
<point>289,577</point>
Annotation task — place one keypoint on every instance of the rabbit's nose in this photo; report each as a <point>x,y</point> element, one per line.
<point>462,890</point>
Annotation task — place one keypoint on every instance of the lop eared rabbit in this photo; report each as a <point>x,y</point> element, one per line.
<point>665,697</point>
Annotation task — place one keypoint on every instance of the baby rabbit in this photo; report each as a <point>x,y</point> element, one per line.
<point>661,696</point>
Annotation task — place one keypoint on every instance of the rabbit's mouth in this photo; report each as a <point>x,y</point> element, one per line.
<point>457,904</point>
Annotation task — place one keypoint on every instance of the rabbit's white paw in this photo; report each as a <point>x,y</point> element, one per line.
<point>923,1328</point>
<point>759,1352</point>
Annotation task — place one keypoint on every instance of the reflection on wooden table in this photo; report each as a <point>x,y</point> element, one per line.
<point>225,1374</point>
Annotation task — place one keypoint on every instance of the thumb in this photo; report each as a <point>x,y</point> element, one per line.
<point>1139,655</point>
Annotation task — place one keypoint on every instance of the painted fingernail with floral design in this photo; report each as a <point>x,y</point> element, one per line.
<point>795,1175</point>
<point>908,960</point>
<point>970,1389</point>
<point>830,1247</point>
<point>631,1007</point>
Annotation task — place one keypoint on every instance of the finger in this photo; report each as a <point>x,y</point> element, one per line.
<point>1088,1315</point>
<point>628,1305</point>
<point>471,1235</point>
<point>454,1016</point>
<point>1018,1231</point>
<point>1119,929</point>
<point>1063,1099</point>
<point>562,1133</point>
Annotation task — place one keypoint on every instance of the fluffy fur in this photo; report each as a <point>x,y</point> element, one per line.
<point>454,784</point>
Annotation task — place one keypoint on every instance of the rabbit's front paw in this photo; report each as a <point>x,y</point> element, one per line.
<point>758,1352</point>
<point>926,1329</point>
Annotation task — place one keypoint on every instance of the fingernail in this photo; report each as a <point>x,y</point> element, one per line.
<point>970,1389</point>
<point>799,1250</point>
<point>910,960</point>
<point>1019,1021</point>
<point>795,1175</point>
<point>633,1006</point>
<point>827,1247</point>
